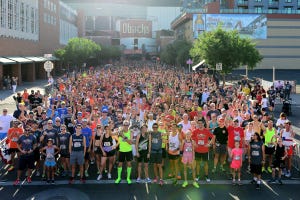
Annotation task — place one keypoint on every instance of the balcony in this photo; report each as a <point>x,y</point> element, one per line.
<point>253,11</point>
<point>242,3</point>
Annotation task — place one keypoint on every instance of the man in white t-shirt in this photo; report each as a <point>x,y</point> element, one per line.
<point>5,120</point>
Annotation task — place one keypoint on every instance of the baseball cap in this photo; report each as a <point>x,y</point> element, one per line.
<point>105,110</point>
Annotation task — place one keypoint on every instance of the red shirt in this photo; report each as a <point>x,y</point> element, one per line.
<point>201,139</point>
<point>234,132</point>
<point>193,114</point>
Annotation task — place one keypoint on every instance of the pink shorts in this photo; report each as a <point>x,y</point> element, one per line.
<point>187,160</point>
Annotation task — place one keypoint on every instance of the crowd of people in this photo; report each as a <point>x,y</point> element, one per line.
<point>141,113</point>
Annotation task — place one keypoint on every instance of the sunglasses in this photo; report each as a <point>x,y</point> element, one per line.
<point>4,110</point>
<point>155,127</point>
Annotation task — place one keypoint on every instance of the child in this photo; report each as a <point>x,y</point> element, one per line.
<point>188,158</point>
<point>236,162</point>
<point>50,151</point>
<point>278,163</point>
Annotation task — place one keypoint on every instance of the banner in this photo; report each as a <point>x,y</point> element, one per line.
<point>135,28</point>
<point>253,26</point>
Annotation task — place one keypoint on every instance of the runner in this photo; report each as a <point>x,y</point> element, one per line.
<point>236,162</point>
<point>270,141</point>
<point>63,143</point>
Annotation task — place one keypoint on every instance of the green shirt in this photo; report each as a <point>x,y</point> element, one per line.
<point>124,146</point>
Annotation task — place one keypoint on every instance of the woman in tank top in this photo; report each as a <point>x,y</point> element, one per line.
<point>96,146</point>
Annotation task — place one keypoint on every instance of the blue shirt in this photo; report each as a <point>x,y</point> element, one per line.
<point>87,132</point>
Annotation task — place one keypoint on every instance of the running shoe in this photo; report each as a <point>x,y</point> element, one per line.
<point>109,175</point>
<point>222,168</point>
<point>37,173</point>
<point>239,182</point>
<point>185,183</point>
<point>214,170</point>
<point>155,180</point>
<point>178,176</point>
<point>279,181</point>
<point>82,180</point>
<point>148,180</point>
<point>17,182</point>
<point>264,170</point>
<point>233,182</point>
<point>269,170</point>
<point>288,174</point>
<point>161,182</point>
<point>195,184</point>
<point>11,168</point>
<point>138,180</point>
<point>128,181</point>
<point>117,181</point>
<point>71,180</point>
<point>28,179</point>
<point>207,179</point>
<point>258,186</point>
<point>86,173</point>
<point>99,177</point>
<point>197,178</point>
<point>52,182</point>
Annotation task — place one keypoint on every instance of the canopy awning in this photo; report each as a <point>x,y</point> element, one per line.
<point>198,65</point>
<point>20,59</point>
<point>36,59</point>
<point>6,61</point>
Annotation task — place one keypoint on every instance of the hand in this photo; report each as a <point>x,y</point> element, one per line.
<point>104,154</point>
<point>138,154</point>
<point>148,155</point>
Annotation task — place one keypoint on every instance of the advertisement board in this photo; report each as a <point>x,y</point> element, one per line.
<point>135,28</point>
<point>253,26</point>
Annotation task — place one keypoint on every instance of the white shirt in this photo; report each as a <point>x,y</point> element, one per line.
<point>5,122</point>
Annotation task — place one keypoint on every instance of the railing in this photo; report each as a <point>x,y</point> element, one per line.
<point>263,11</point>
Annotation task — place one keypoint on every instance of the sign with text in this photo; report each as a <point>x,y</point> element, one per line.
<point>136,28</point>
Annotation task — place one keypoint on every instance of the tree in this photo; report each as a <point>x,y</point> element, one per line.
<point>78,51</point>
<point>110,52</point>
<point>226,47</point>
<point>176,53</point>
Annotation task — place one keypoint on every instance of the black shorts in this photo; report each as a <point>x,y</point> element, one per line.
<point>37,154</point>
<point>278,164</point>
<point>65,154</point>
<point>13,150</point>
<point>156,158</point>
<point>26,161</point>
<point>110,153</point>
<point>164,152</point>
<point>97,150</point>
<point>269,150</point>
<point>201,156</point>
<point>221,149</point>
<point>87,155</point>
<point>125,156</point>
<point>256,169</point>
<point>143,157</point>
<point>173,157</point>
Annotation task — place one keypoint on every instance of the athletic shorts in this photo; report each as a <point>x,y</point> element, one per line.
<point>77,157</point>
<point>269,150</point>
<point>278,164</point>
<point>13,150</point>
<point>26,161</point>
<point>37,154</point>
<point>143,157</point>
<point>164,152</point>
<point>256,169</point>
<point>64,154</point>
<point>50,163</point>
<point>221,149</point>
<point>290,150</point>
<point>125,156</point>
<point>173,157</point>
<point>156,158</point>
<point>201,156</point>
<point>87,155</point>
<point>110,153</point>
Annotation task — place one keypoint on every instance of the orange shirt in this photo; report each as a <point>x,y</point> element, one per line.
<point>13,135</point>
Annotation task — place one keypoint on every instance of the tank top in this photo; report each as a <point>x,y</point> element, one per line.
<point>156,141</point>
<point>174,144</point>
<point>212,126</point>
<point>248,135</point>
<point>187,149</point>
<point>124,146</point>
<point>107,143</point>
<point>268,137</point>
<point>287,139</point>
<point>143,143</point>
<point>77,142</point>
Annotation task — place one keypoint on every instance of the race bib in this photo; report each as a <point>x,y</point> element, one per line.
<point>77,144</point>
<point>154,140</point>
<point>255,153</point>
<point>63,146</point>
<point>172,145</point>
<point>188,149</point>
<point>200,142</point>
<point>14,139</point>
<point>70,125</point>
<point>106,144</point>
<point>237,157</point>
<point>144,146</point>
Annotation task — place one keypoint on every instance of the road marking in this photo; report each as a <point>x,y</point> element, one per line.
<point>188,197</point>
<point>234,196</point>
<point>102,182</point>
<point>147,189</point>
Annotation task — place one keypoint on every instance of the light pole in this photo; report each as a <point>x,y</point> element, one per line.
<point>189,62</point>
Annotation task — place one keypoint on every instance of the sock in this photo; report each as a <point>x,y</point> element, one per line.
<point>128,173</point>
<point>119,172</point>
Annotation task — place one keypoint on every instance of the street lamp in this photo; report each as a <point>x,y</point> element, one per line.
<point>189,62</point>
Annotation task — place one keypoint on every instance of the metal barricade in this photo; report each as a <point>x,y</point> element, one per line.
<point>296,157</point>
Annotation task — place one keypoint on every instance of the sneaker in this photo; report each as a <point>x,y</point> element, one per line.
<point>214,170</point>
<point>99,177</point>
<point>52,182</point>
<point>222,169</point>
<point>28,179</point>
<point>161,182</point>
<point>148,180</point>
<point>71,180</point>
<point>37,173</point>
<point>82,180</point>
<point>269,170</point>
<point>128,181</point>
<point>86,173</point>
<point>279,181</point>
<point>17,182</point>
<point>155,180</point>
<point>272,180</point>
<point>195,184</point>
<point>11,168</point>
<point>264,170</point>
<point>43,176</point>
<point>288,174</point>
<point>138,180</point>
<point>233,182</point>
<point>185,183</point>
<point>207,179</point>
<point>239,182</point>
<point>179,177</point>
<point>109,175</point>
<point>197,178</point>
<point>258,186</point>
<point>284,172</point>
<point>170,175</point>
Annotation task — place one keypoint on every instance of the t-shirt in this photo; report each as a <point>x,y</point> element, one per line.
<point>201,138</point>
<point>124,146</point>
<point>87,132</point>
<point>221,135</point>
<point>26,142</point>
<point>256,152</point>
<point>5,122</point>
<point>13,135</point>
<point>235,134</point>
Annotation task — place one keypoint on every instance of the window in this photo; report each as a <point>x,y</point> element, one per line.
<point>3,13</point>
<point>258,9</point>
<point>288,1</point>
<point>45,4</point>
<point>288,10</point>
<point>10,14</point>
<point>258,0</point>
<point>32,20</point>
<point>22,17</point>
